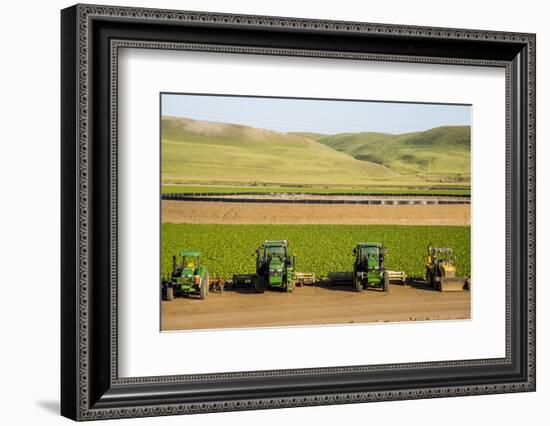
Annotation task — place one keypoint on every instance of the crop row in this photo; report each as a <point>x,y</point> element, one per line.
<point>229,249</point>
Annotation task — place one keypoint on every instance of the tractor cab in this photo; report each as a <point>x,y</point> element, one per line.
<point>369,256</point>
<point>189,263</point>
<point>276,251</point>
<point>441,256</point>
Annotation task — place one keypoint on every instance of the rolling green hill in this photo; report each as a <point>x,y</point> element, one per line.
<point>442,153</point>
<point>196,151</point>
<point>203,152</point>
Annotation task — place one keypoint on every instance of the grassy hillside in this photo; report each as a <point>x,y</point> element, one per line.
<point>202,152</point>
<point>439,154</point>
<point>209,152</point>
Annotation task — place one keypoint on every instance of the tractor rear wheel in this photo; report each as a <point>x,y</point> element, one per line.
<point>169,294</point>
<point>204,287</point>
<point>259,285</point>
<point>289,286</point>
<point>386,286</point>
<point>429,280</point>
<point>357,284</point>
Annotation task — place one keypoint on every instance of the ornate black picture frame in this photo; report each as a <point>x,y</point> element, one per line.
<point>91,36</point>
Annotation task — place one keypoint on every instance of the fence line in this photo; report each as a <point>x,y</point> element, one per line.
<point>202,197</point>
<point>328,194</point>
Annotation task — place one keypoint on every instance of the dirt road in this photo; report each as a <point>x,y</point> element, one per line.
<point>313,305</point>
<point>345,214</point>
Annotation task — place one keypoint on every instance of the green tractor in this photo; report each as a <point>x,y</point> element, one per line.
<point>188,277</point>
<point>368,269</point>
<point>274,267</point>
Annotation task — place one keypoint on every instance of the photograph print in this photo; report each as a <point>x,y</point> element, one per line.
<point>311,212</point>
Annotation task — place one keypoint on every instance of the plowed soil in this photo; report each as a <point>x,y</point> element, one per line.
<point>313,306</point>
<point>345,214</point>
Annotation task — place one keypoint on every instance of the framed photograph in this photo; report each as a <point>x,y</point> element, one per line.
<point>263,212</point>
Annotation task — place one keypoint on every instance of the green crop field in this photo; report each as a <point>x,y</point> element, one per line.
<point>188,189</point>
<point>229,249</point>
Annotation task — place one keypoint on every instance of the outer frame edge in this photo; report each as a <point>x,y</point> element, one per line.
<point>83,412</point>
<point>68,293</point>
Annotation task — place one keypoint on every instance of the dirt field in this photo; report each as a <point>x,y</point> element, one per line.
<point>345,214</point>
<point>313,305</point>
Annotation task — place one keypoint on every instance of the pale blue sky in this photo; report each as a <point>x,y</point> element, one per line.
<point>321,116</point>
